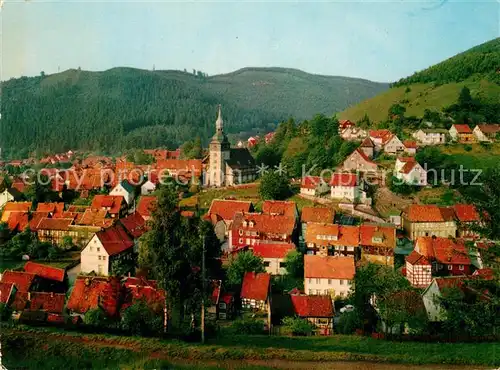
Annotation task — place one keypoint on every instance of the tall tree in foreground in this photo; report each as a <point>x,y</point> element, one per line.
<point>274,186</point>
<point>244,262</point>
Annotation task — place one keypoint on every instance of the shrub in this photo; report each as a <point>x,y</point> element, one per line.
<point>298,326</point>
<point>348,322</point>
<point>140,319</point>
<point>248,326</point>
<point>467,148</point>
<point>5,312</point>
<point>95,317</point>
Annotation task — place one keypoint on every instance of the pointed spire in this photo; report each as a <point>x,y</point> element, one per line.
<point>219,123</point>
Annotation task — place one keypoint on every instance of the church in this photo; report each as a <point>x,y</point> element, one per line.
<point>227,166</point>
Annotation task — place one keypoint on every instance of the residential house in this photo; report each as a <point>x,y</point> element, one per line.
<point>50,278</point>
<point>436,290</point>
<point>386,141</point>
<point>53,209</point>
<point>368,147</point>
<point>431,136</point>
<point>345,124</point>
<point>274,255</point>
<point>54,230</point>
<point>358,161</point>
<point>249,229</point>
<point>255,291</point>
<point>146,206</point>
<point>7,292</point>
<point>347,186</point>
<point>141,290</point>
<point>409,171</point>
<point>252,141</point>
<point>222,303</point>
<point>447,256</point>
<point>11,207</point>
<point>134,225</point>
<point>486,132</point>
<point>321,215</point>
<point>115,205</point>
<point>23,281</point>
<point>10,195</point>
<point>468,218</point>
<point>178,167</point>
<point>151,183</point>
<point>418,270</point>
<point>221,214</point>
<point>353,134</point>
<point>269,137</point>
<point>410,147</point>
<point>462,133</point>
<point>313,186</point>
<point>328,275</point>
<point>280,208</point>
<point>124,189</point>
<point>18,221</point>
<point>395,218</point>
<point>92,217</point>
<point>91,292</point>
<point>103,248</point>
<point>318,310</point>
<point>377,243</point>
<point>331,239</point>
<point>429,220</point>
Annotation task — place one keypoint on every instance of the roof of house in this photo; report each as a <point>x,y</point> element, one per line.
<point>312,306</point>
<point>17,221</point>
<point>363,156</point>
<point>385,135</point>
<point>448,282</point>
<point>275,224</point>
<point>329,267</point>
<point>226,209</point>
<point>317,214</point>
<point>466,212</point>
<point>6,290</point>
<point>489,128</point>
<point>428,213</point>
<point>112,203</point>
<point>255,286</point>
<point>125,184</point>
<point>410,144</point>
<point>311,182</point>
<point>463,129</point>
<point>20,302</point>
<point>134,224</point>
<point>146,205</point>
<point>45,271</point>
<point>90,292</point>
<point>344,179</point>
<point>144,290</point>
<point>50,207</point>
<point>370,234</point>
<point>50,302</point>
<point>240,158</point>
<point>94,217</point>
<point>415,258</point>
<point>345,235</point>
<point>115,239</point>
<point>22,280</point>
<point>35,219</point>
<point>17,207</point>
<point>187,165</point>
<point>408,167</point>
<point>272,250</point>
<point>444,250</point>
<point>367,143</point>
<point>279,207</point>
<point>54,223</point>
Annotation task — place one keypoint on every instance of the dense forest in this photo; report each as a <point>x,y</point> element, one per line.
<point>126,108</point>
<point>482,60</point>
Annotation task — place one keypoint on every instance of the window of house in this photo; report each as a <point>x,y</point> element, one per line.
<point>282,264</point>
<point>450,267</point>
<point>99,258</point>
<point>91,249</point>
<point>98,249</point>
<point>222,306</point>
<point>104,258</point>
<point>266,263</point>
<point>329,281</point>
<point>461,267</point>
<point>310,281</point>
<point>310,292</point>
<point>318,281</point>
<point>341,282</point>
<point>240,232</point>
<point>240,240</point>
<point>327,291</point>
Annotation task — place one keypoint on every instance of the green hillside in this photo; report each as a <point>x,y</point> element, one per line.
<point>125,108</point>
<point>438,86</point>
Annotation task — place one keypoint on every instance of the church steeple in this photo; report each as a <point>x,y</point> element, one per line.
<point>219,135</point>
<point>219,124</point>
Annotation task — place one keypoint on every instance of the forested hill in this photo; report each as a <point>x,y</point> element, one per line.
<point>125,108</point>
<point>438,86</point>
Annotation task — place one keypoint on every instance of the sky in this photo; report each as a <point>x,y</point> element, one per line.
<point>380,41</point>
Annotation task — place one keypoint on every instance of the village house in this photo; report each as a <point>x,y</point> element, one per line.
<point>328,275</point>
<point>50,278</point>
<point>10,207</point>
<point>222,303</point>
<point>91,217</point>
<point>347,186</point>
<point>410,147</point>
<point>331,239</point>
<point>353,134</point>
<point>54,230</point>
<point>103,248</point>
<point>23,281</point>
<point>368,147</point>
<point>280,208</point>
<point>150,184</point>
<point>134,225</point>
<point>431,136</point>
<point>10,195</point>
<point>468,218</point>
<point>180,168</point>
<point>358,161</point>
<point>462,133</point>
<point>409,171</point>
<point>321,215</point>
<point>447,256</point>
<point>18,221</point>
<point>146,206</point>
<point>436,290</point>
<point>274,255</point>
<point>486,132</point>
<point>250,229</point>
<point>268,138</point>
<point>418,270</point>
<point>429,220</point>
<point>386,141</point>
<point>7,291</point>
<point>124,189</point>
<point>345,124</point>
<point>255,291</point>
<point>221,214</point>
<point>115,205</point>
<point>313,186</point>
<point>141,290</point>
<point>53,209</point>
<point>377,243</point>
<point>318,310</point>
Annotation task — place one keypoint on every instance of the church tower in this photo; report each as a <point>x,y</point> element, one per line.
<point>219,153</point>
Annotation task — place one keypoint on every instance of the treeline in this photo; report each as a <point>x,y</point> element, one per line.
<point>483,59</point>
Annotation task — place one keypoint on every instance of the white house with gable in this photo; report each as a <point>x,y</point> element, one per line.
<point>410,171</point>
<point>125,189</point>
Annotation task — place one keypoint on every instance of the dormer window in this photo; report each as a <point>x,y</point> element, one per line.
<point>377,239</point>
<point>245,223</point>
<point>251,223</point>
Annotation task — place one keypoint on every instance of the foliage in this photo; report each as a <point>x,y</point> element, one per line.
<point>349,322</point>
<point>95,317</point>
<point>298,326</point>
<point>400,187</point>
<point>242,263</point>
<point>140,319</point>
<point>138,156</point>
<point>192,149</point>
<point>248,326</point>
<point>274,186</point>
<point>295,264</point>
<point>26,243</point>
<point>5,312</point>
<point>123,263</point>
<point>150,109</point>
<point>67,243</point>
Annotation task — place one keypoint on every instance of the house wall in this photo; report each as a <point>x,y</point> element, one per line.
<point>393,146</point>
<point>416,229</point>
<point>430,297</point>
<point>147,188</point>
<point>119,190</point>
<point>273,267</point>
<point>417,176</point>
<point>331,287</point>
<point>419,276</point>
<point>466,138</point>
<point>348,192</point>
<point>430,138</point>
<point>5,197</point>
<point>307,191</point>
<point>95,258</point>
<point>254,237</point>
<point>355,162</point>
<point>452,269</point>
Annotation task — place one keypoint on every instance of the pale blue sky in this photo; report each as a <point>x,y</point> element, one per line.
<point>381,41</point>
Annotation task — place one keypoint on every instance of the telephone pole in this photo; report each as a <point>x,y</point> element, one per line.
<point>203,293</point>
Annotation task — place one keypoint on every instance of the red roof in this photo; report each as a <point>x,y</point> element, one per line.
<point>115,240</point>
<point>408,167</point>
<point>226,209</point>
<point>489,128</point>
<point>35,219</point>
<point>50,302</point>
<point>22,280</point>
<point>6,290</point>
<point>416,258</point>
<point>384,135</point>
<point>364,156</point>
<point>444,250</point>
<point>50,207</point>
<point>146,206</point>
<point>273,224</point>
<point>367,143</point>
<point>134,224</point>
<point>19,185</point>
<point>486,273</point>
<point>272,250</point>
<point>410,144</point>
<point>20,301</point>
<point>369,235</point>
<point>317,214</point>
<point>312,305</point>
<point>17,207</point>
<point>17,221</point>
<point>140,289</point>
<point>329,267</point>
<point>111,203</point>
<point>255,286</point>
<point>344,179</point>
<point>463,129</point>
<point>45,271</point>
<point>449,282</point>
<point>345,123</point>
<point>343,235</point>
<point>279,207</point>
<point>466,212</point>
<point>92,292</point>
<point>311,182</point>
<point>428,213</point>
<point>54,223</point>
<point>185,165</point>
